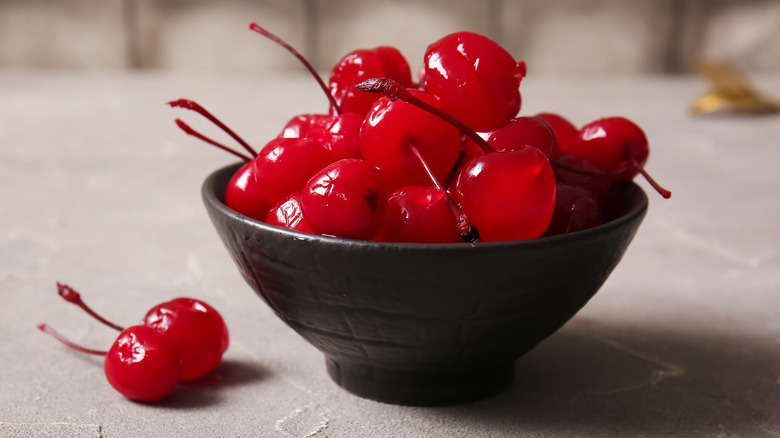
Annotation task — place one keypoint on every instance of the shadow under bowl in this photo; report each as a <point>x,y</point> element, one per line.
<point>423,324</point>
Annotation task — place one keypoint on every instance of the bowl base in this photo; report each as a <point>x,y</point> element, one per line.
<point>421,389</point>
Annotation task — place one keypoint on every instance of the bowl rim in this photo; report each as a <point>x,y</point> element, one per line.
<point>215,201</point>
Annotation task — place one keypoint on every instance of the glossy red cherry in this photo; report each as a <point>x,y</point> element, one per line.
<point>282,167</point>
<point>475,78</point>
<point>143,364</point>
<point>419,214</point>
<point>586,178</point>
<point>507,194</point>
<point>289,214</point>
<point>393,125</point>
<point>529,131</point>
<point>346,199</point>
<point>616,145</point>
<point>197,330</point>
<point>340,134</point>
<point>362,64</point>
<point>576,209</point>
<point>566,133</point>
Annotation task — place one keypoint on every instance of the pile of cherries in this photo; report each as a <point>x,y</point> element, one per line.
<point>182,339</point>
<point>444,158</point>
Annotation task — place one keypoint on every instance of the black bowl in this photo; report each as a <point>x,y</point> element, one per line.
<point>423,324</point>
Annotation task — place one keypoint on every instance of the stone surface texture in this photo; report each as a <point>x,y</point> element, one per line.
<point>101,191</point>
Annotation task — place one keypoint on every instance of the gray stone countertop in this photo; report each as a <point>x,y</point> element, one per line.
<point>100,190</point>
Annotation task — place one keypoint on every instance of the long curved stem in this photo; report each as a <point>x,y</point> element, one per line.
<point>194,106</point>
<point>467,230</point>
<point>255,27</point>
<point>56,335</point>
<point>70,295</point>
<point>188,130</point>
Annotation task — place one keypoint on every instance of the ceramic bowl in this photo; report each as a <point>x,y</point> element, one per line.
<point>423,324</point>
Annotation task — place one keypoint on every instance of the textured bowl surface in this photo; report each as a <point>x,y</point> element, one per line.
<point>422,324</point>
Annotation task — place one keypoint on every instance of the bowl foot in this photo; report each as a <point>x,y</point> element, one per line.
<point>421,389</point>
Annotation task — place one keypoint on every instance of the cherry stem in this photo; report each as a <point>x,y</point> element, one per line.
<point>56,335</point>
<point>194,106</point>
<point>456,167</point>
<point>187,129</point>
<point>255,27</point>
<point>466,229</point>
<point>70,295</point>
<point>396,91</point>
<point>658,188</point>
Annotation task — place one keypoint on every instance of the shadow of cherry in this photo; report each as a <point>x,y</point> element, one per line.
<point>210,389</point>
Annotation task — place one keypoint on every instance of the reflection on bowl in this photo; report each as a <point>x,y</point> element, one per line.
<point>423,324</point>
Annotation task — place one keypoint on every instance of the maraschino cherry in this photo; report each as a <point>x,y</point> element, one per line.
<point>184,337</point>
<point>419,214</point>
<point>576,209</point>
<point>616,145</point>
<point>197,330</point>
<point>507,194</point>
<point>142,364</point>
<point>565,132</point>
<point>282,167</point>
<point>475,78</point>
<point>529,131</point>
<point>393,125</point>
<point>426,214</point>
<point>362,64</point>
<point>346,199</point>
<point>289,214</point>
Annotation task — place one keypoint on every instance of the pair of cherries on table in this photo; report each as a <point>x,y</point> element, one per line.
<point>444,159</point>
<point>182,339</point>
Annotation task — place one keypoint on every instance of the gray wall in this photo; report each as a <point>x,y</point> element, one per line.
<point>566,37</point>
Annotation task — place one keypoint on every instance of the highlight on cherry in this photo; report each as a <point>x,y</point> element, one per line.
<point>446,158</point>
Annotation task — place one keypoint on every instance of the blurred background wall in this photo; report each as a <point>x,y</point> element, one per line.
<point>563,37</point>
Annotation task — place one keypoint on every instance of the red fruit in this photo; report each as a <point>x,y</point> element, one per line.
<point>363,64</point>
<point>392,126</point>
<point>566,134</point>
<point>508,195</point>
<point>576,209</point>
<point>419,214</point>
<point>616,145</point>
<point>346,199</point>
<point>289,214</point>
<point>196,329</point>
<point>242,193</point>
<point>600,187</point>
<point>520,131</point>
<point>340,134</point>
<point>613,144</point>
<point>475,78</point>
<point>282,167</point>
<point>143,364</point>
